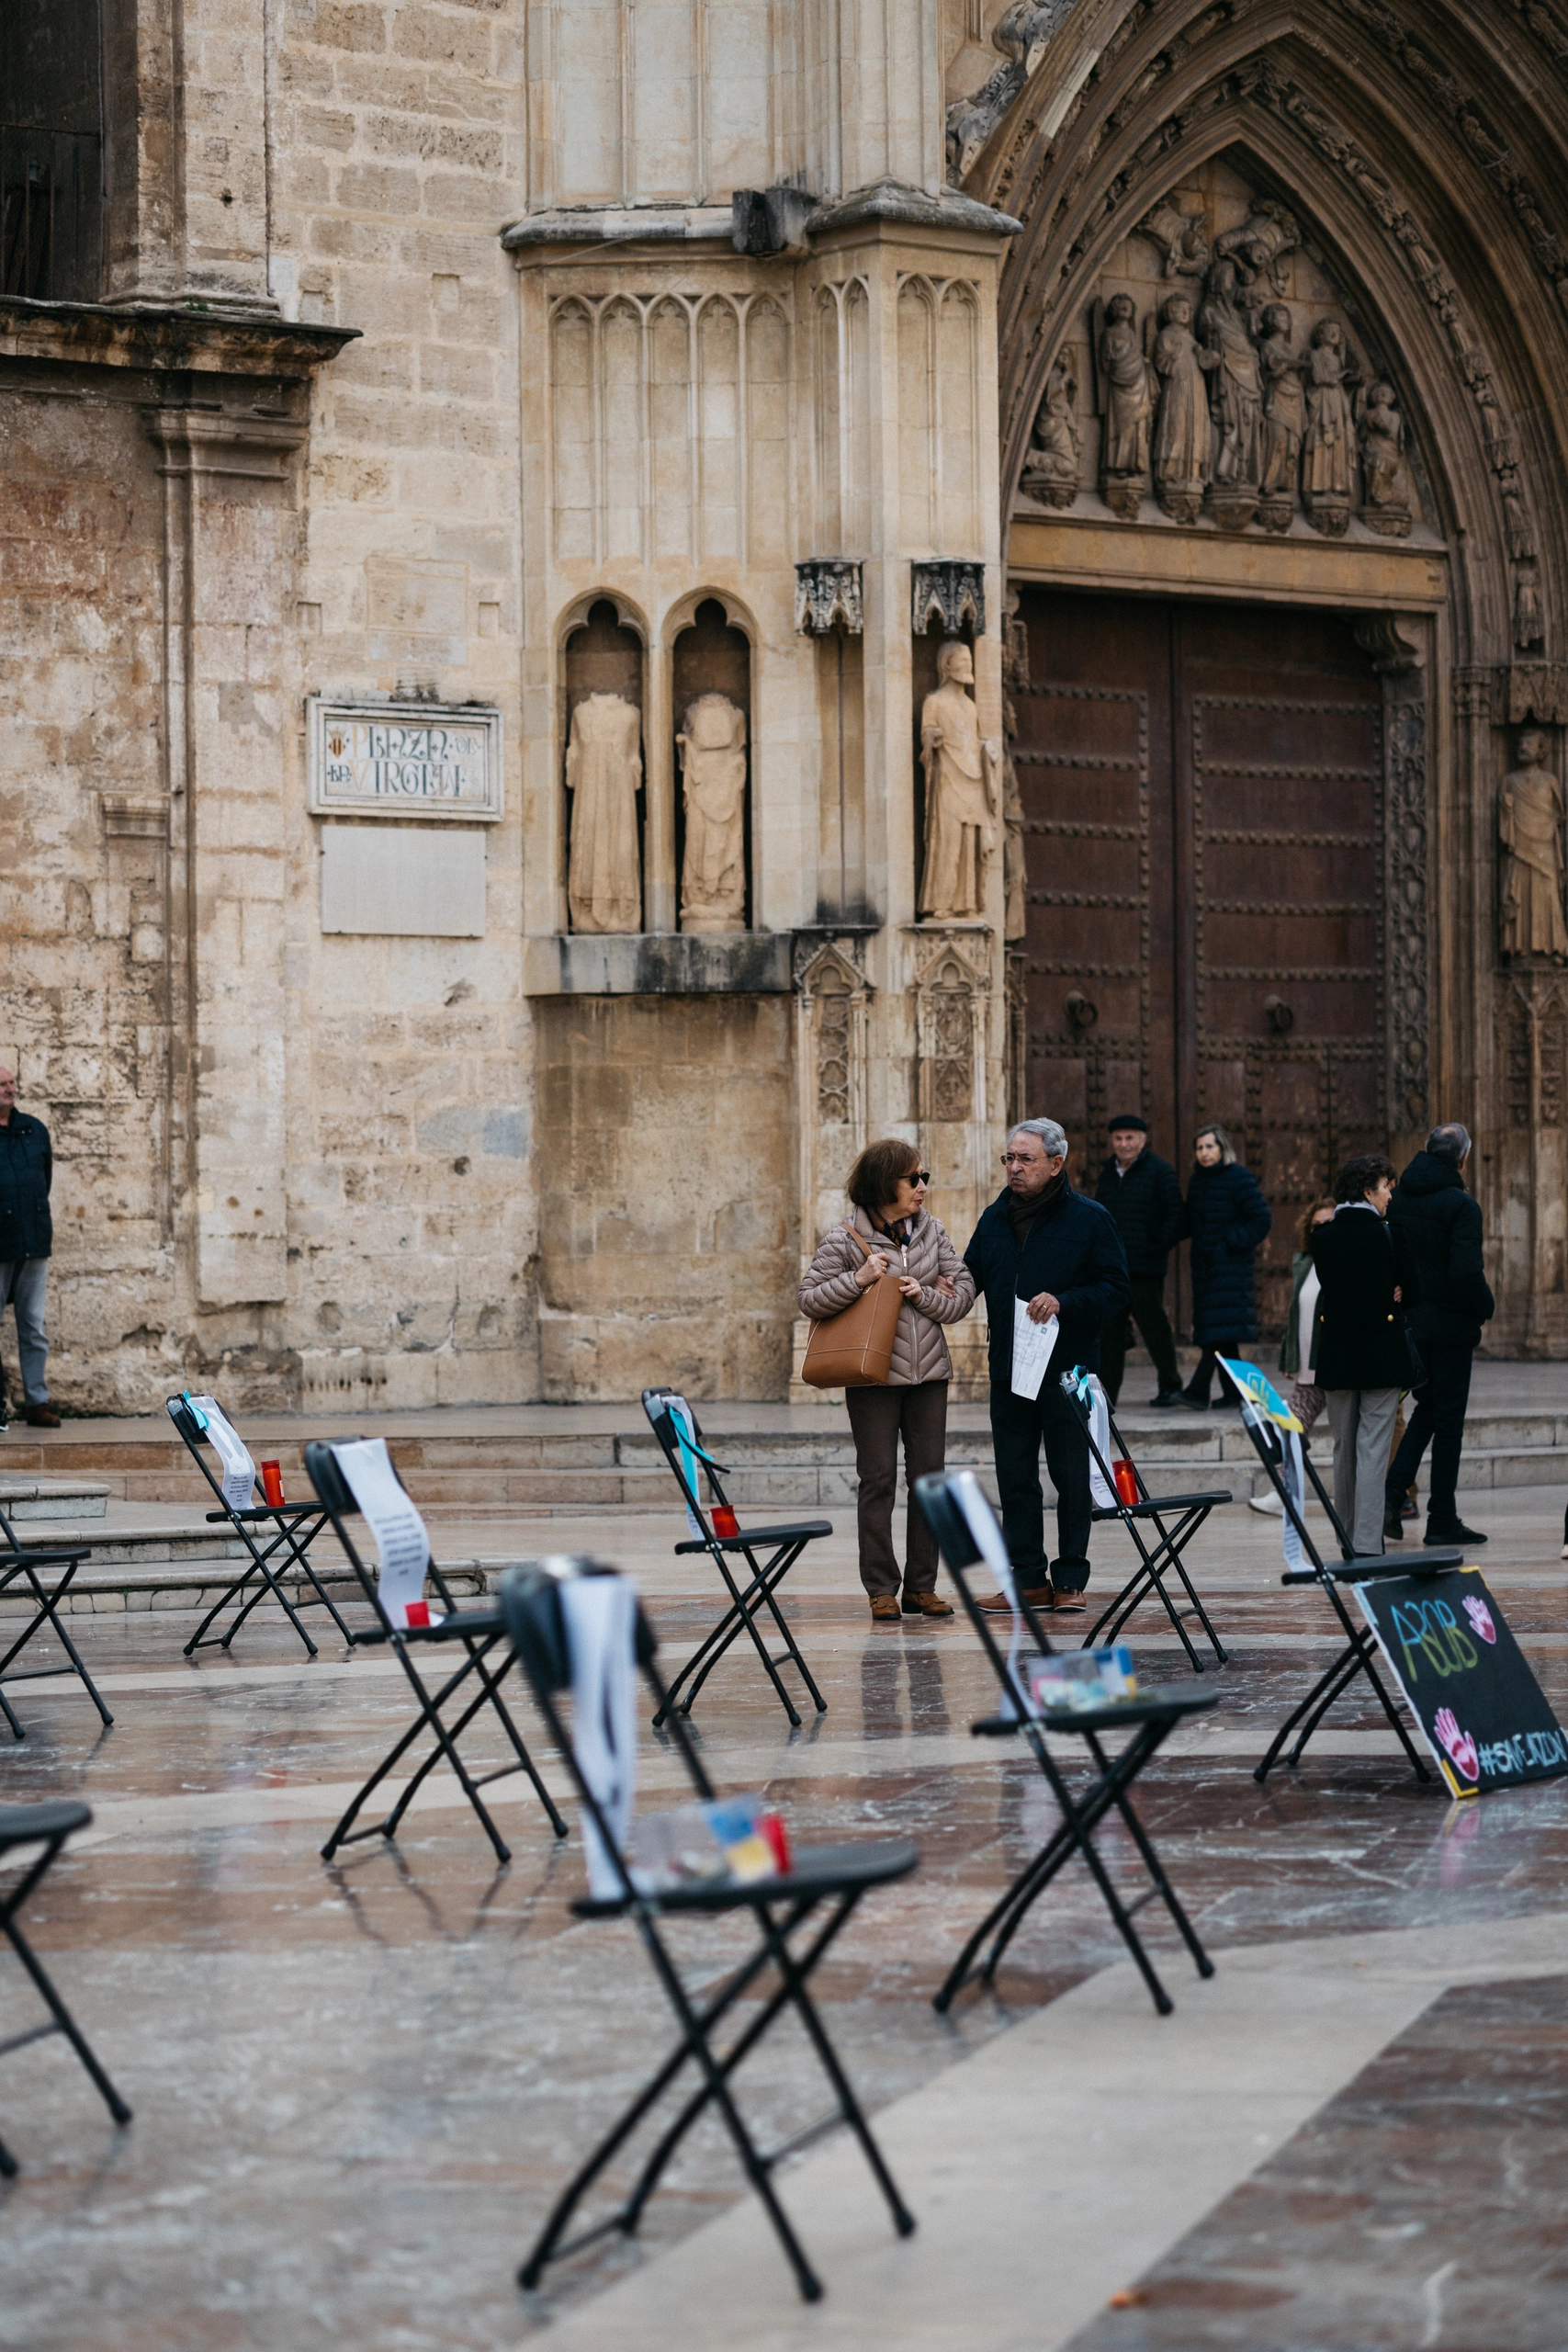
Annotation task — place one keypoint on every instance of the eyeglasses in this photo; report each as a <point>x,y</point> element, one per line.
<point>1019,1159</point>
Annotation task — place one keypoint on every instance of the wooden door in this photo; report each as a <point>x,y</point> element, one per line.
<point>1202,793</point>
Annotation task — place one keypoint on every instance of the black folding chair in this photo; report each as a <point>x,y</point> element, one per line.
<point>1187,1513</point>
<point>48,1575</point>
<point>1361,1641</point>
<point>746,1602</point>
<point>48,1826</point>
<point>473,1687</point>
<point>822,1886</point>
<point>1151,1718</point>
<point>294,1528</point>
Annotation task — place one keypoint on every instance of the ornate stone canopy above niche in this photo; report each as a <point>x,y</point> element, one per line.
<point>1217,378</point>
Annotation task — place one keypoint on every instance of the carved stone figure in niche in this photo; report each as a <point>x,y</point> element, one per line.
<point>603,776</point>
<point>1183,437</point>
<point>712,746</point>
<point>961,792</point>
<point>1284,418</point>
<point>1052,469</point>
<point>1236,397</point>
<point>1180,237</point>
<point>1385,478</point>
<point>1529,826</point>
<point>1327,446</point>
<point>1127,392</point>
<point>1260,244</point>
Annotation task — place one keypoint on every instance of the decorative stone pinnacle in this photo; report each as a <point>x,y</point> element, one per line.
<point>950,590</point>
<point>827,588</point>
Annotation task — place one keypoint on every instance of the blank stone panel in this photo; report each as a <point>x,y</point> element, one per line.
<point>767,415</point>
<point>718,374</point>
<point>669,361</point>
<point>409,881</point>
<point>586,36</point>
<point>916,420</point>
<point>739,60</point>
<point>958,375</point>
<point>572,417</point>
<point>665,68</point>
<point>621,405</point>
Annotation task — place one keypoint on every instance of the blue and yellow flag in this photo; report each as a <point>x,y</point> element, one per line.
<point>1267,1399</point>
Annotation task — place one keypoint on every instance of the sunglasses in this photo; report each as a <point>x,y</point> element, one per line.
<point>919,1176</point>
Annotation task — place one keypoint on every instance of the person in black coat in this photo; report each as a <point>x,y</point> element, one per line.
<point>1369,1280</point>
<point>1225,1219</point>
<point>1041,1241</point>
<point>26,1238</point>
<point>1143,1193</point>
<point>1442,1224</point>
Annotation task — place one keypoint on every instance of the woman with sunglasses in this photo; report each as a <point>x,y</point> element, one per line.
<point>887,1194</point>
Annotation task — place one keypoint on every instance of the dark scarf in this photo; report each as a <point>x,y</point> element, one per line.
<point>1023,1208</point>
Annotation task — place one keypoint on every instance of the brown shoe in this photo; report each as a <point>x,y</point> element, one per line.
<point>885,1608</point>
<point>1074,1603</point>
<point>1038,1597</point>
<point>39,1417</point>
<point>926,1604</point>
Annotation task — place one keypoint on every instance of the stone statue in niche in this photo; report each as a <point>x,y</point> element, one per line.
<point>1236,397</point>
<point>603,776</point>
<point>1530,827</point>
<point>712,747</point>
<point>961,792</point>
<point>1128,388</point>
<point>1385,477</point>
<point>1327,446</point>
<point>1183,449</point>
<point>1052,469</point>
<point>1284,418</point>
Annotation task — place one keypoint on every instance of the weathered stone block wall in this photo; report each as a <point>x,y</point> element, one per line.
<point>668,1241</point>
<point>83,912</point>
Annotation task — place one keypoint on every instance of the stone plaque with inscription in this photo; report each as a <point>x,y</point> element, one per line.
<point>405,760</point>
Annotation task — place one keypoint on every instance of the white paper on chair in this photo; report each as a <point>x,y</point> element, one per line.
<point>601,1624</point>
<point>1033,1345</point>
<point>402,1546</point>
<point>239,1470</point>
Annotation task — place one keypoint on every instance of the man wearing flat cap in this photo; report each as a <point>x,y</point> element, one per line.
<point>1143,1193</point>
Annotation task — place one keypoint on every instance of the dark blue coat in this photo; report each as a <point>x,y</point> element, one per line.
<point>1075,1251</point>
<point>1225,1219</point>
<point>1432,1208</point>
<point>26,1169</point>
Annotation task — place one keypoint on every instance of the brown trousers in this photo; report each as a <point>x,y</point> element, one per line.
<point>879,1416</point>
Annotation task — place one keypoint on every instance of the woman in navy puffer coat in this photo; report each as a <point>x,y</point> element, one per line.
<point>1225,1219</point>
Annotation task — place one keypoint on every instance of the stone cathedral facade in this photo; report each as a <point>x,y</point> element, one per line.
<point>490,489</point>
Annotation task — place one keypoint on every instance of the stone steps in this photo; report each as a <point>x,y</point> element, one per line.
<point>24,1500</point>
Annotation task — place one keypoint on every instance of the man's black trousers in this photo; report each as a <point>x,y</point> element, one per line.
<point>1147,1310</point>
<point>1439,1418</point>
<point>1018,1424</point>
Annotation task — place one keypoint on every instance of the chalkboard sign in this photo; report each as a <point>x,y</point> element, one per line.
<point>1464,1676</point>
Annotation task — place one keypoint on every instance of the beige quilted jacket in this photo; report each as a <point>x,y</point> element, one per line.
<point>920,1351</point>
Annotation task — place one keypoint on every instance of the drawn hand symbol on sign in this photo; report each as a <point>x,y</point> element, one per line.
<point>1480,1617</point>
<point>1459,1744</point>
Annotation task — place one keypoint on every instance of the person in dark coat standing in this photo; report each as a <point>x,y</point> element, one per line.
<point>1043,1242</point>
<point>1369,1280</point>
<point>1143,1193</point>
<point>1225,1219</point>
<point>27,1236</point>
<point>1442,1223</point>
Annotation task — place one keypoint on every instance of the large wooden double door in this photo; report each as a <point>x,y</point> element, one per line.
<point>1202,798</point>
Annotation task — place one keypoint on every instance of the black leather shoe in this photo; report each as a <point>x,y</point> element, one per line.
<point>1168,1397</point>
<point>1392,1530</point>
<point>1455,1532</point>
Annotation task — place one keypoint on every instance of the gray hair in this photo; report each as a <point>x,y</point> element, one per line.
<point>1451,1141</point>
<point>1052,1138</point>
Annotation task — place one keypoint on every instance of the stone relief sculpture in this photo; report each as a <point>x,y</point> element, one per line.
<point>1530,827</point>
<point>1054,466</point>
<point>1184,448</point>
<point>603,776</point>
<point>712,748</point>
<point>1327,446</point>
<point>1284,418</point>
<point>1385,480</point>
<point>1180,236</point>
<point>1236,396</point>
<point>1260,244</point>
<point>1015,681</point>
<point>961,792</point>
<point>1128,388</point>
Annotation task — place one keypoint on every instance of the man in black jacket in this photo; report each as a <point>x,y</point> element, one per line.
<point>1041,1243</point>
<point>1144,1195</point>
<point>27,1236</point>
<point>1444,1227</point>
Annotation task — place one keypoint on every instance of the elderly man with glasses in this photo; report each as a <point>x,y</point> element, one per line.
<point>1044,1244</point>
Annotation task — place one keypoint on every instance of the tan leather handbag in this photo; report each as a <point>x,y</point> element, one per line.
<point>855,1348</point>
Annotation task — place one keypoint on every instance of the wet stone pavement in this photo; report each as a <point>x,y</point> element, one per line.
<point>357,2085</point>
